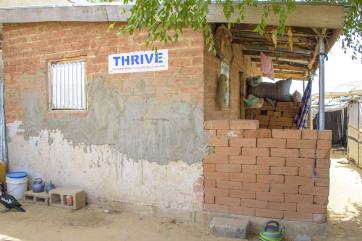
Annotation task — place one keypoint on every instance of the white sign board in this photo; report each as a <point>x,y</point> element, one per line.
<point>140,61</point>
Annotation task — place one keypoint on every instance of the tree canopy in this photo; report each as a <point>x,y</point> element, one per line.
<point>166,20</point>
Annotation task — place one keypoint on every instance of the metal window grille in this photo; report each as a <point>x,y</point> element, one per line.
<point>68,86</point>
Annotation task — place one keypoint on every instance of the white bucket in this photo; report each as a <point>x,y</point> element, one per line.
<point>17,184</point>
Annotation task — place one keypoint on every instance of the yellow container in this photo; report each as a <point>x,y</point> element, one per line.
<point>2,171</point>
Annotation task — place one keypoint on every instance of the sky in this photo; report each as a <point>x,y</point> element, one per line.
<point>339,68</point>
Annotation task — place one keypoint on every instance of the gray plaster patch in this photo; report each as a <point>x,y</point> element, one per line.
<point>143,130</point>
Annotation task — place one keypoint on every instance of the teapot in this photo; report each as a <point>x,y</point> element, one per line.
<point>38,185</point>
<point>49,186</point>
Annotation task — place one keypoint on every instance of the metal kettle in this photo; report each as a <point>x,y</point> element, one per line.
<point>38,185</point>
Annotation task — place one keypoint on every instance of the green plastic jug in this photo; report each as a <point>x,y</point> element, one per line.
<point>272,232</point>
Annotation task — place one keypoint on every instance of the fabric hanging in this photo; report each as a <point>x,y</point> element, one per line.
<point>266,66</point>
<point>301,118</point>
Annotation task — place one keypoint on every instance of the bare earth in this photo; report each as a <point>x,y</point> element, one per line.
<point>55,224</point>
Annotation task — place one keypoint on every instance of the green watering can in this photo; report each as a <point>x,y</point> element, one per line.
<point>272,232</point>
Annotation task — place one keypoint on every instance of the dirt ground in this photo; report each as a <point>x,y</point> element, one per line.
<point>91,224</point>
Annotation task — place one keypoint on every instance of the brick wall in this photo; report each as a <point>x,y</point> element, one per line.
<point>211,73</point>
<point>266,173</point>
<point>280,116</point>
<point>28,47</point>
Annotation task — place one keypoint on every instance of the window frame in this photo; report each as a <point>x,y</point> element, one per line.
<point>50,84</point>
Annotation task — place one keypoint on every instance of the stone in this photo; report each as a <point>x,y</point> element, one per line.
<point>229,227</point>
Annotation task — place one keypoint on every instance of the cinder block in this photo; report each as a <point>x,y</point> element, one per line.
<point>288,134</point>
<point>311,208</point>
<point>58,197</point>
<point>299,162</point>
<point>216,208</point>
<point>243,177</point>
<point>255,151</point>
<point>229,133</point>
<point>299,180</point>
<point>271,142</point>
<point>228,184</point>
<point>218,141</point>
<point>255,169</point>
<point>282,152</point>
<point>293,143</point>
<point>249,160</point>
<point>229,227</point>
<point>309,134</point>
<point>271,161</point>
<point>312,190</point>
<point>228,168</point>
<point>257,187</point>
<point>282,206</point>
<point>216,158</point>
<point>298,216</point>
<point>259,133</point>
<point>38,198</point>
<point>298,198</point>
<point>313,153</point>
<point>270,196</point>
<point>242,210</point>
<point>252,203</point>
<point>325,135</point>
<point>288,171</point>
<point>242,194</point>
<point>244,124</point>
<point>284,188</point>
<point>216,175</point>
<point>216,124</point>
<point>324,144</point>
<point>270,179</point>
<point>243,142</point>
<point>229,201</point>
<point>209,167</point>
<point>232,151</point>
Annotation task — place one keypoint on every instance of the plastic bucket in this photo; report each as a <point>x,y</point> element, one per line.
<point>17,184</point>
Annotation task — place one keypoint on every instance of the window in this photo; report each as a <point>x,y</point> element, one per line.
<point>67,85</point>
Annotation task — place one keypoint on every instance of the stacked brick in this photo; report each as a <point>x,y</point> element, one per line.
<point>266,173</point>
<point>279,117</point>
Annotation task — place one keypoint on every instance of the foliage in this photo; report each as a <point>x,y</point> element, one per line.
<point>165,20</point>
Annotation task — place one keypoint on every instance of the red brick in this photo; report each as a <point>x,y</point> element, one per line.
<point>244,124</point>
<point>299,162</point>
<point>312,153</point>
<point>322,182</point>
<point>209,183</point>
<point>271,142</point>
<point>216,124</point>
<point>210,133</point>
<point>233,151</point>
<point>230,133</point>
<point>216,175</point>
<point>290,171</point>
<point>228,168</point>
<point>218,141</point>
<point>267,213</point>
<point>252,203</point>
<point>228,184</point>
<point>270,196</point>
<point>242,177</point>
<point>325,135</point>
<point>298,198</point>
<point>282,206</point>
<point>284,188</point>
<point>311,208</point>
<point>271,161</point>
<point>216,158</point>
<point>324,144</point>
<point>293,143</point>
<point>210,199</point>
<point>242,210</point>
<point>255,151</point>
<point>321,200</point>
<point>257,187</point>
<point>250,160</point>
<point>244,194</point>
<point>298,180</point>
<point>298,216</point>
<point>284,133</point>
<point>308,172</point>
<point>309,134</point>
<point>311,190</point>
<point>209,167</point>
<point>282,152</point>
<point>216,208</point>
<point>323,163</point>
<point>217,192</point>
<point>255,169</point>
<point>229,201</point>
<point>270,179</point>
<point>259,133</point>
<point>243,142</point>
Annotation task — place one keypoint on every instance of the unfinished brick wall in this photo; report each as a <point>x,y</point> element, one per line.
<point>266,173</point>
<point>211,73</point>
<point>280,116</point>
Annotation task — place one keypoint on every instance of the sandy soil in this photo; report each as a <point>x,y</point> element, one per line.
<point>55,224</point>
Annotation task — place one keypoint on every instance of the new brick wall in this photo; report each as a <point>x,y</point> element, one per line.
<point>266,173</point>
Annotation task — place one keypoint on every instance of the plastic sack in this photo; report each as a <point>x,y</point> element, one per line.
<point>253,102</point>
<point>297,97</point>
<point>254,81</point>
<point>276,91</point>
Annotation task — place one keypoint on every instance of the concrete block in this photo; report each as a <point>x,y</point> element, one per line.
<point>38,198</point>
<point>229,227</point>
<point>58,197</point>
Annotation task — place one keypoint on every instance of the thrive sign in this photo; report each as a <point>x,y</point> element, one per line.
<point>140,61</point>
